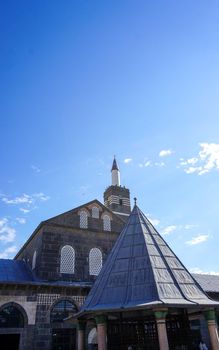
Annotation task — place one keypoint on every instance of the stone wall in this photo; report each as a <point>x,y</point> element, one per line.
<point>55,237</point>
<point>36,304</point>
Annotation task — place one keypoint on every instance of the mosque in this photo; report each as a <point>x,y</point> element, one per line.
<point>100,276</point>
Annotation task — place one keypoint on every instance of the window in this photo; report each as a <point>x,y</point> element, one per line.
<point>120,201</point>
<point>63,310</point>
<point>106,223</point>
<point>67,264</point>
<point>95,261</point>
<point>83,219</point>
<point>95,212</point>
<point>34,260</point>
<point>11,317</point>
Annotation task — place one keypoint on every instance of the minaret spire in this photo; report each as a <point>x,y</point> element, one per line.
<point>115,173</point>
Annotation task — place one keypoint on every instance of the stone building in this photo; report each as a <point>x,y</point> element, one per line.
<point>47,282</point>
<point>51,275</point>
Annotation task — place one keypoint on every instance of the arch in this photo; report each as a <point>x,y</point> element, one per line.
<point>83,219</point>
<point>34,260</point>
<point>95,212</point>
<point>106,223</point>
<point>67,261</point>
<point>95,261</point>
<point>92,336</point>
<point>12,315</point>
<point>62,310</point>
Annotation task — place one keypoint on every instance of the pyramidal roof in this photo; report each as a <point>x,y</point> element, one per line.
<point>142,271</point>
<point>114,166</point>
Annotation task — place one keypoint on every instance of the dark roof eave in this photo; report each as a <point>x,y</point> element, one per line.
<point>49,284</point>
<point>147,306</point>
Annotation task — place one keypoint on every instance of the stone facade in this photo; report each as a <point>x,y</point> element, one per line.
<point>49,286</point>
<point>35,303</point>
<point>64,230</point>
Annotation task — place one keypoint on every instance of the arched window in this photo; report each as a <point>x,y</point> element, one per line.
<point>95,212</point>
<point>11,317</point>
<point>83,219</point>
<point>34,260</point>
<point>106,223</point>
<point>67,263</point>
<point>62,310</point>
<point>95,261</point>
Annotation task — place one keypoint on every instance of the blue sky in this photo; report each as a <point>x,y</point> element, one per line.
<point>84,80</point>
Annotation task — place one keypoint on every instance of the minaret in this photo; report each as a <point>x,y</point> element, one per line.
<point>116,197</point>
<point>115,173</point>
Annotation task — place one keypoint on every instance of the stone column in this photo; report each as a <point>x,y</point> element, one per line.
<point>160,316</point>
<point>81,326</point>
<point>212,329</point>
<point>101,321</point>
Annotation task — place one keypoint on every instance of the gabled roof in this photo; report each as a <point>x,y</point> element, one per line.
<point>142,271</point>
<point>210,283</point>
<point>65,218</point>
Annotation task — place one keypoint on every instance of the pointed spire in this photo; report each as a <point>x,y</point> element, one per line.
<point>115,173</point>
<point>114,166</point>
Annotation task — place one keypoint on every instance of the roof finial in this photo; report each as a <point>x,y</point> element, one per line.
<point>135,199</point>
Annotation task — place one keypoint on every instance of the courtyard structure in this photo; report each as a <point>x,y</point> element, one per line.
<point>145,298</point>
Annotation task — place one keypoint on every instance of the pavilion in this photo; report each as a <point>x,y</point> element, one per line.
<point>145,298</point>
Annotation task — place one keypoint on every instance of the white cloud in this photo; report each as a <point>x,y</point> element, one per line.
<point>165,152</point>
<point>198,239</point>
<point>26,198</point>
<point>169,229</point>
<point>7,233</point>
<point>23,199</point>
<point>35,168</point>
<point>192,161</point>
<point>198,270</point>
<point>127,160</point>
<point>41,196</point>
<point>149,163</point>
<point>6,253</point>
<point>190,226</point>
<point>207,160</point>
<point>155,222</point>
<point>24,210</point>
<point>192,170</point>
<point>27,201</point>
<point>145,164</point>
<point>159,164</point>
<point>21,220</point>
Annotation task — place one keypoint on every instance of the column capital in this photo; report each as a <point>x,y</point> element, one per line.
<point>81,325</point>
<point>209,315</point>
<point>160,313</point>
<point>100,319</point>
